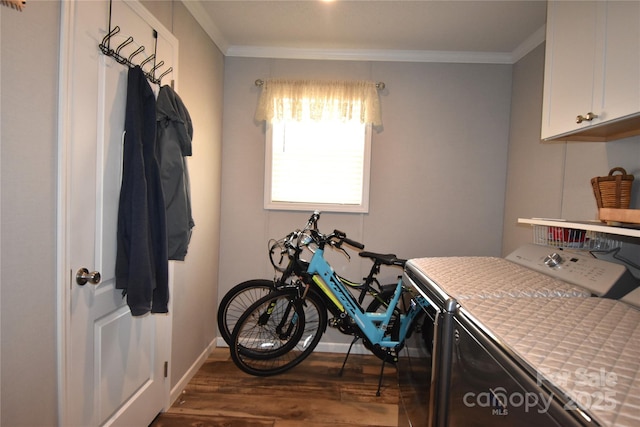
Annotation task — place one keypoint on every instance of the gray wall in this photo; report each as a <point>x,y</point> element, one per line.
<point>196,279</point>
<point>438,181</point>
<point>535,173</point>
<point>200,85</point>
<point>553,180</point>
<point>28,103</point>
<point>437,175</point>
<point>28,95</point>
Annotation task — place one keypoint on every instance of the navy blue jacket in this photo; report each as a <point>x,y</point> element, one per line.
<point>142,266</point>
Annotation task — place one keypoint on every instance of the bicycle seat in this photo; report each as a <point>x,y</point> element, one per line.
<point>387,259</point>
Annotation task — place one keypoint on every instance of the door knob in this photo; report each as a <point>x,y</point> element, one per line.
<point>83,276</point>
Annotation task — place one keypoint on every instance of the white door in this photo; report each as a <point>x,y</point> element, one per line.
<point>113,364</point>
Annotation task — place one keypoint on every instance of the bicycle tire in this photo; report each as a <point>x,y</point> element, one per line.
<point>250,338</point>
<point>237,300</point>
<point>279,333</point>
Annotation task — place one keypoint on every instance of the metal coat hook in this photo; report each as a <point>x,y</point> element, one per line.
<point>117,56</point>
<point>135,52</point>
<point>167,71</point>
<point>129,40</point>
<point>105,48</point>
<point>155,67</point>
<point>149,59</point>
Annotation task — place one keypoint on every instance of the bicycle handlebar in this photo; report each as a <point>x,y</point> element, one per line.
<point>343,238</point>
<point>296,240</point>
<point>312,224</point>
<point>335,239</point>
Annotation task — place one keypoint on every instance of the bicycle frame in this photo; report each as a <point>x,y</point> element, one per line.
<point>296,268</point>
<point>372,325</point>
<point>318,286</point>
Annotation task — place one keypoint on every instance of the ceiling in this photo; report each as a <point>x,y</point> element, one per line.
<point>421,30</point>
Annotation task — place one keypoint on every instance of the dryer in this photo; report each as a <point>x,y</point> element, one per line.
<point>477,371</point>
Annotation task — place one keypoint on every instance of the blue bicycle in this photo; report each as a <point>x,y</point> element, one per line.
<point>383,327</point>
<point>288,257</point>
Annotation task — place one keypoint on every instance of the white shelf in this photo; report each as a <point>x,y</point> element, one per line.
<point>595,226</point>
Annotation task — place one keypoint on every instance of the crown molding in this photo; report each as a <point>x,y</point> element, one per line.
<point>201,16</point>
<point>533,41</point>
<point>369,55</point>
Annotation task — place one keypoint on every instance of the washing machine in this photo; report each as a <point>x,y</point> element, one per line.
<point>504,331</point>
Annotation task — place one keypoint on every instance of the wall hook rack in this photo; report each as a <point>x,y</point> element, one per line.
<point>105,48</point>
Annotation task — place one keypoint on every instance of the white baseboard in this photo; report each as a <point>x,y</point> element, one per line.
<point>323,347</point>
<point>334,347</point>
<point>176,391</point>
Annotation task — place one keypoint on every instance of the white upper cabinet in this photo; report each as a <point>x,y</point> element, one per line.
<point>592,71</point>
<point>620,92</point>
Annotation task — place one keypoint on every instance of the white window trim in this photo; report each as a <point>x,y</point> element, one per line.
<point>318,169</point>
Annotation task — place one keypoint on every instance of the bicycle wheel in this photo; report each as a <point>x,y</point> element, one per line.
<point>278,332</point>
<point>237,300</point>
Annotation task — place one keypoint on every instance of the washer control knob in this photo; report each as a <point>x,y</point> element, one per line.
<point>553,260</point>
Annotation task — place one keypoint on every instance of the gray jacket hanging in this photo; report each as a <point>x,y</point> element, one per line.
<point>174,132</point>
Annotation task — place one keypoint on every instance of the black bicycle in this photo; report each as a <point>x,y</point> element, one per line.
<point>287,257</point>
<point>276,332</point>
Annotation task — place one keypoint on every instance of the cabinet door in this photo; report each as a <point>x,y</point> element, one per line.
<point>619,94</point>
<point>569,68</point>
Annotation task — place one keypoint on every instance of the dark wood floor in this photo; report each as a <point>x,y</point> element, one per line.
<point>310,395</point>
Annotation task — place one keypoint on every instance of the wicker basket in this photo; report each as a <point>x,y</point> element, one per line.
<point>614,190</point>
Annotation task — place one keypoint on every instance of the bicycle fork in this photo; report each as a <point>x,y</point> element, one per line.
<point>285,327</point>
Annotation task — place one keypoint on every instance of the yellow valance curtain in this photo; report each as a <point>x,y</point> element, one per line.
<point>317,100</point>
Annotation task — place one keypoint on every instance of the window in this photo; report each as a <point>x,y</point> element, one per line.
<point>318,165</point>
<point>318,143</point>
